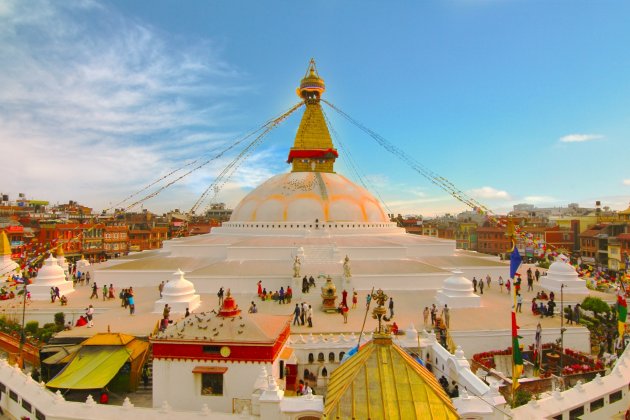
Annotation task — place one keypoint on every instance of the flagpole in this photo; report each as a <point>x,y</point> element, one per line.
<point>367,309</point>
<point>561,332</point>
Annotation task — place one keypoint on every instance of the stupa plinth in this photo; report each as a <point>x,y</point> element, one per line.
<point>457,292</point>
<point>50,275</point>
<point>562,273</point>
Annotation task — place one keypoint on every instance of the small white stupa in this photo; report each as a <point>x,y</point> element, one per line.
<point>179,294</point>
<point>50,275</point>
<point>457,292</point>
<point>561,272</point>
<point>82,265</point>
<point>8,267</point>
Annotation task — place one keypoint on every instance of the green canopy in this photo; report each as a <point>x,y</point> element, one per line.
<point>91,368</point>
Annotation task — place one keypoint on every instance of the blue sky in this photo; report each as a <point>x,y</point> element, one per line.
<point>512,101</point>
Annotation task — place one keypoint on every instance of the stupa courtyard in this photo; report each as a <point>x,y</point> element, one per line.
<point>466,324</point>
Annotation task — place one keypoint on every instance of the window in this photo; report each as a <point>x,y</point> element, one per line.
<point>320,357</point>
<point>311,358</point>
<point>341,354</point>
<point>26,405</point>
<point>13,395</point>
<point>597,404</point>
<point>3,388</point>
<point>211,384</point>
<point>211,350</point>
<point>576,413</point>
<point>39,415</point>
<point>331,357</point>
<point>614,397</point>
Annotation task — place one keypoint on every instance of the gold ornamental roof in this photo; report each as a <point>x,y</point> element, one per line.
<point>382,381</point>
<point>5,246</point>
<point>313,132</point>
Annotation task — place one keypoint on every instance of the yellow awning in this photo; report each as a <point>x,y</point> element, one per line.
<point>109,339</point>
<point>91,368</point>
<point>61,354</point>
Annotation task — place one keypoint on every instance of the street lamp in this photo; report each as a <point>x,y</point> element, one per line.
<point>22,332</point>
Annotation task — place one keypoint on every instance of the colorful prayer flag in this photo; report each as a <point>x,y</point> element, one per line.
<point>515,261</point>
<point>622,310</point>
<point>517,357</point>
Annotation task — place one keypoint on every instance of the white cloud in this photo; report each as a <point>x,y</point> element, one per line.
<point>94,106</point>
<point>579,138</point>
<point>489,193</point>
<point>626,182</point>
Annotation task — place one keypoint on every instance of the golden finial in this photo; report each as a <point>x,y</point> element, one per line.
<point>59,251</point>
<point>5,246</point>
<point>377,313</point>
<point>311,86</point>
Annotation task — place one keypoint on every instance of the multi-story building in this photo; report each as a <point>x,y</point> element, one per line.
<point>466,236</point>
<point>493,240</point>
<point>144,236</point>
<point>411,225</point>
<point>14,231</point>
<point>76,239</point>
<point>219,211</point>
<point>594,244</point>
<point>116,238</point>
<point>560,239</point>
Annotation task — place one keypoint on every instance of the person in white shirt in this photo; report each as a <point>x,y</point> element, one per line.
<point>90,315</point>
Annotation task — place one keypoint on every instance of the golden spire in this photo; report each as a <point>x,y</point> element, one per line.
<point>59,251</point>
<point>5,246</point>
<point>313,149</point>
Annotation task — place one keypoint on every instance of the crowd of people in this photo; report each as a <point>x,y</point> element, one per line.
<point>281,296</point>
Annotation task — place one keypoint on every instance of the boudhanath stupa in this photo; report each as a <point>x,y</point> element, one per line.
<point>304,222</point>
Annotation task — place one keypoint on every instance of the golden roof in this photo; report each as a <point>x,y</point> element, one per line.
<point>382,381</point>
<point>313,132</point>
<point>5,246</point>
<point>625,212</point>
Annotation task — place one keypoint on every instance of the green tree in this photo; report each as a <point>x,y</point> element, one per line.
<point>521,397</point>
<point>595,304</point>
<point>31,327</point>
<point>60,319</point>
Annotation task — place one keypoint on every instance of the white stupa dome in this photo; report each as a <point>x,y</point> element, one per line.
<point>306,196</point>
<point>561,268</point>
<point>457,292</point>
<point>562,273</point>
<point>51,272</point>
<point>457,282</point>
<point>178,287</point>
<point>179,294</point>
